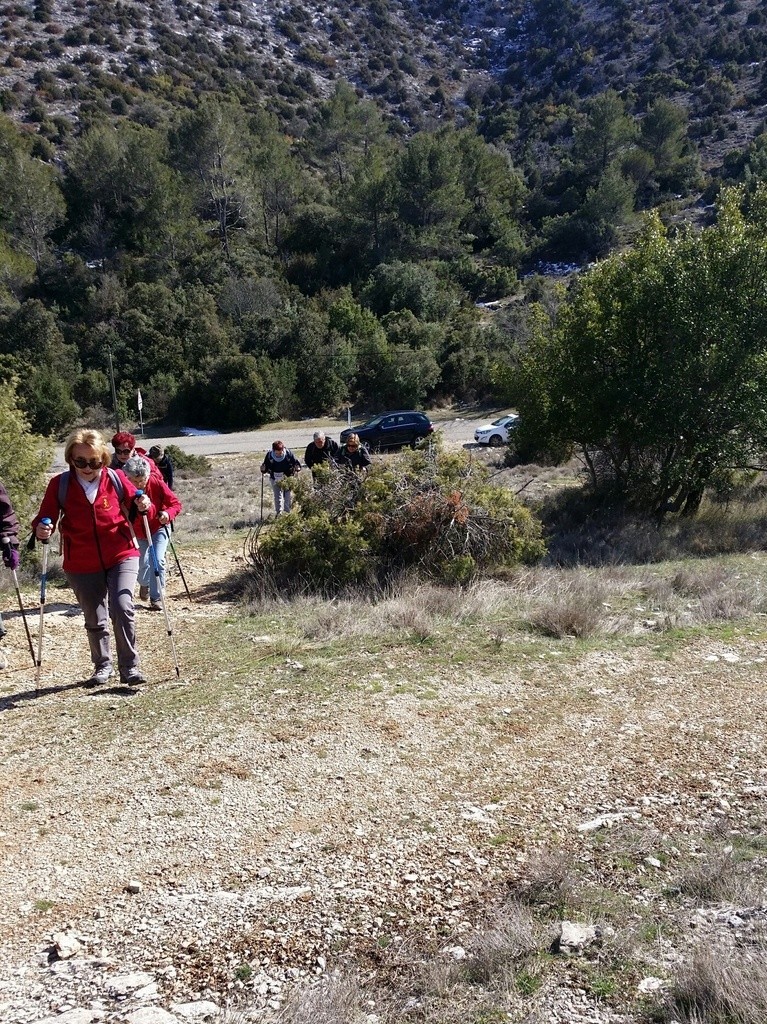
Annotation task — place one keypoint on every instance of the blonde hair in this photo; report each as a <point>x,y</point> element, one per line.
<point>353,439</point>
<point>89,437</point>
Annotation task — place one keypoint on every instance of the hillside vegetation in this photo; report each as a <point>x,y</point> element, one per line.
<point>264,211</point>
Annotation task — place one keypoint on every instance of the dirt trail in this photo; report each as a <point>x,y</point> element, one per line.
<point>279,816</point>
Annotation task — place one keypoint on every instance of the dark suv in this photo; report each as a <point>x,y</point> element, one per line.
<point>392,429</point>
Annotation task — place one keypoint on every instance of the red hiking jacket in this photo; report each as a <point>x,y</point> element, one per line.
<point>163,500</point>
<point>93,537</point>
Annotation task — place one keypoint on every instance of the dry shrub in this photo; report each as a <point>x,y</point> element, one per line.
<point>693,581</point>
<point>719,985</point>
<point>508,938</point>
<point>326,620</point>
<point>577,609</point>
<point>337,999</point>
<point>406,613</point>
<point>480,600</point>
<point>427,512</point>
<point>719,877</point>
<point>548,879</point>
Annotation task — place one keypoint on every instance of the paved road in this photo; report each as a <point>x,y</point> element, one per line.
<point>456,429</point>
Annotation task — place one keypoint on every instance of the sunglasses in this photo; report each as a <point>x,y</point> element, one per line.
<point>87,463</point>
<point>123,451</point>
<point>352,446</point>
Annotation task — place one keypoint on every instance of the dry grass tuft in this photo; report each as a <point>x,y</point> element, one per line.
<point>406,613</point>
<point>507,939</point>
<point>337,999</point>
<point>548,879</point>
<point>720,985</point>
<point>720,877</point>
<point>576,609</point>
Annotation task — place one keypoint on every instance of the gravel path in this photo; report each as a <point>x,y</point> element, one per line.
<point>211,841</point>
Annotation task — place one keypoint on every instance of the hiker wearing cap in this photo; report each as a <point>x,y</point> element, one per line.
<point>124,445</point>
<point>9,539</point>
<point>281,464</point>
<point>90,503</point>
<point>353,455</point>
<point>320,452</point>
<point>162,460</point>
<point>163,510</point>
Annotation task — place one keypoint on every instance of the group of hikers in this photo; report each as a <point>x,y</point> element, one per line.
<point>281,465</point>
<point>114,511</point>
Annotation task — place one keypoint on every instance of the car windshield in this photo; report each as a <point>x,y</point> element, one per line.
<point>502,421</point>
<point>372,423</point>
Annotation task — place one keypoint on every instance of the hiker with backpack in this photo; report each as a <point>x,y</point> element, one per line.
<point>353,455</point>
<point>163,510</point>
<point>321,451</point>
<point>90,503</point>
<point>163,461</point>
<point>281,464</point>
<point>9,540</point>
<point>125,448</point>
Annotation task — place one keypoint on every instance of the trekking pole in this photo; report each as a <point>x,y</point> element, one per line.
<point>178,565</point>
<point>43,581</point>
<point>6,544</point>
<point>262,497</point>
<point>158,577</point>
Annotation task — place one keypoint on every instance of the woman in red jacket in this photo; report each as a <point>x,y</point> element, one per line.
<point>164,509</point>
<point>90,505</point>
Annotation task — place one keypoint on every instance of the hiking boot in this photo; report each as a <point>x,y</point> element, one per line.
<point>133,677</point>
<point>101,676</point>
<point>143,593</point>
<point>155,606</point>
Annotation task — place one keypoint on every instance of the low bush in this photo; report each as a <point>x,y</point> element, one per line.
<point>428,513</point>
<point>185,462</point>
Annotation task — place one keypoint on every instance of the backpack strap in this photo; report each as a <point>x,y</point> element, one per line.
<point>64,486</point>
<point>119,491</point>
<point>117,484</point>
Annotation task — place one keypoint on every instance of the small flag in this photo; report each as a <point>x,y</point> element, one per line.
<point>139,401</point>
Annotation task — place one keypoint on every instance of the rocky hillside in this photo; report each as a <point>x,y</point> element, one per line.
<point>523,65</point>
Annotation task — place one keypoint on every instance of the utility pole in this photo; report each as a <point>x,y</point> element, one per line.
<point>114,392</point>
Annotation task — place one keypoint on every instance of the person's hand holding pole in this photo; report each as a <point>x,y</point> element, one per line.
<point>10,554</point>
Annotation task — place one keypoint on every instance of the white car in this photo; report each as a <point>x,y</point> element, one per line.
<point>498,432</point>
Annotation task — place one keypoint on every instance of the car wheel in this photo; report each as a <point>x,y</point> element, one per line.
<point>495,441</point>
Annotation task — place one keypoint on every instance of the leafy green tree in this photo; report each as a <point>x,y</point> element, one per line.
<point>24,455</point>
<point>123,196</point>
<point>415,286</point>
<point>657,366</point>
<point>346,129</point>
<point>234,393</point>
<point>607,209</point>
<point>210,146</point>
<point>33,351</point>
<point>367,200</point>
<point>430,197</point>
<point>663,134</point>
<point>604,133</point>
<point>496,193</point>
<point>32,205</point>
